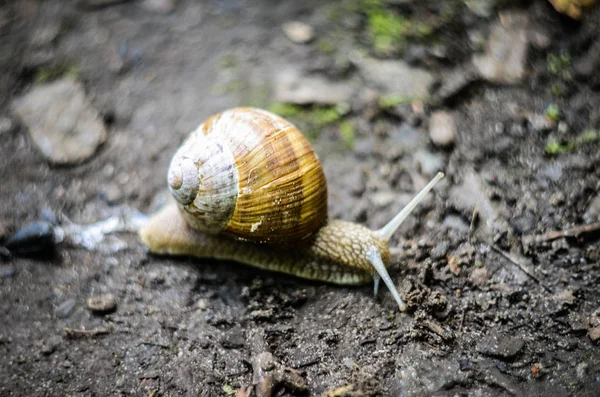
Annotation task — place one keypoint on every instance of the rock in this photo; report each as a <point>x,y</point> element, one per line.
<point>500,345</point>
<point>428,162</point>
<point>442,128</point>
<point>62,123</point>
<point>557,199</point>
<point>6,126</point>
<point>112,194</point>
<point>565,297</point>
<point>66,308</point>
<point>482,8</point>
<point>291,86</point>
<point>34,239</point>
<point>396,78</point>
<point>102,304</point>
<point>593,209</point>
<point>594,330</point>
<point>506,51</point>
<point>480,276</point>
<point>234,339</point>
<point>51,345</point>
<point>455,81</point>
<point>45,35</point>
<point>298,32</point>
<point>6,271</point>
<point>159,6</point>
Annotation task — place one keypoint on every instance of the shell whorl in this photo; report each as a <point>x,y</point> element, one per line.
<point>251,174</point>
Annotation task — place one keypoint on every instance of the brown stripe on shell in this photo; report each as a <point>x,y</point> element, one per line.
<point>274,162</point>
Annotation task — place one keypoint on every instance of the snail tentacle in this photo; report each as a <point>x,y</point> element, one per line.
<point>386,232</point>
<point>375,259</point>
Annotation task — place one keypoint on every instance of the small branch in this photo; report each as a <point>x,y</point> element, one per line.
<point>556,234</point>
<point>516,262</point>
<point>75,333</point>
<point>438,330</point>
<point>473,219</point>
<point>156,345</point>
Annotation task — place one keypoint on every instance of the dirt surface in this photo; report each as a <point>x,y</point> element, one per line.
<point>497,306</point>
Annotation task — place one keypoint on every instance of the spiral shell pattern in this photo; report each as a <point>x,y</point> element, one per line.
<point>251,174</point>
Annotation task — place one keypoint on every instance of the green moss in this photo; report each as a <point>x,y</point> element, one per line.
<point>54,72</point>
<point>311,119</point>
<point>347,132</point>
<point>228,61</point>
<point>228,389</point>
<point>387,30</point>
<point>325,46</point>
<point>285,109</point>
<point>589,136</point>
<point>554,147</point>
<point>553,112</point>
<point>559,65</point>
<point>391,100</point>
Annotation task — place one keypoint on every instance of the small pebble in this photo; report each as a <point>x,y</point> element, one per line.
<point>480,276</point>
<point>557,199</point>
<point>298,32</point>
<point>33,239</point>
<point>102,303</point>
<point>66,308</point>
<point>51,345</point>
<point>442,129</point>
<point>6,125</point>
<point>159,6</point>
<point>500,345</point>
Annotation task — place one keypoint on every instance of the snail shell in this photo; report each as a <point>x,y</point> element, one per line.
<point>250,174</point>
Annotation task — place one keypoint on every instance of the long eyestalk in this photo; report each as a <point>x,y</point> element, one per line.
<point>388,230</point>
<point>375,259</point>
<point>385,233</point>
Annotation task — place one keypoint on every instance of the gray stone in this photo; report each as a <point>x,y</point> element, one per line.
<point>159,6</point>
<point>298,32</point>
<point>455,81</point>
<point>396,78</point>
<point>102,303</point>
<point>294,87</point>
<point>442,128</point>
<point>500,345</point>
<point>6,126</point>
<point>6,271</point>
<point>66,308</point>
<point>62,123</point>
<point>593,209</point>
<point>506,50</point>
<point>429,163</point>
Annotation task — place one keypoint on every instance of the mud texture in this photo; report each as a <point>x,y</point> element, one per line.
<point>498,305</point>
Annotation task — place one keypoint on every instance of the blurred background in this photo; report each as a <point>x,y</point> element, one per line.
<point>500,266</point>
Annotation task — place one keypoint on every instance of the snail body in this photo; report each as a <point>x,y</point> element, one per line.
<point>249,188</point>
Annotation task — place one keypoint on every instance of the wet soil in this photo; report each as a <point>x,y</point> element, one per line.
<point>494,309</point>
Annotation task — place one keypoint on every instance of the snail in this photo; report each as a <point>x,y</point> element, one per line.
<point>248,187</point>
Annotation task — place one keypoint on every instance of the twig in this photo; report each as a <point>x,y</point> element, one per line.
<point>155,345</point>
<point>308,363</point>
<point>556,234</point>
<point>74,333</point>
<point>438,330</point>
<point>516,262</point>
<point>473,218</point>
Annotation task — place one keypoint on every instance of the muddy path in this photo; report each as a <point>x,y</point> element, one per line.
<point>500,266</point>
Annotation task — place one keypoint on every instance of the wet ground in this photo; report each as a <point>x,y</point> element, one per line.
<point>500,266</point>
